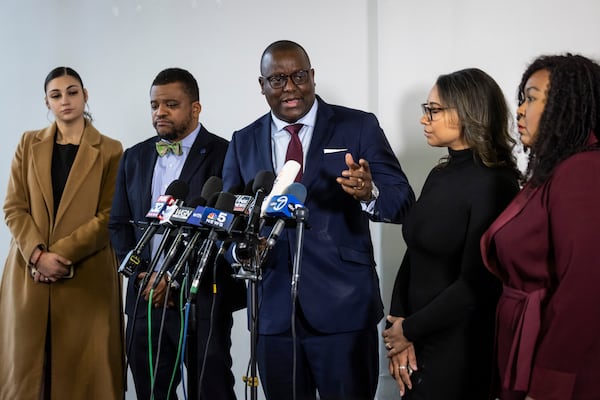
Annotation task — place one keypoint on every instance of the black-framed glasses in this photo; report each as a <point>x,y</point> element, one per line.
<point>280,80</point>
<point>431,112</point>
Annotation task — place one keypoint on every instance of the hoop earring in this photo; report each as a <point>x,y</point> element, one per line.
<point>48,116</point>
<point>87,113</point>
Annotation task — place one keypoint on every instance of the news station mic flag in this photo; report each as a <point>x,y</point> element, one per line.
<point>177,189</point>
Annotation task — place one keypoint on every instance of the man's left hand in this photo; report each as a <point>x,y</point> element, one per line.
<point>357,180</point>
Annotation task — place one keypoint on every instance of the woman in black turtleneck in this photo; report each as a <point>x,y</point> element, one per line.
<point>441,333</point>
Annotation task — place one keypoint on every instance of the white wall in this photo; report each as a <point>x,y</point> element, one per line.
<point>378,55</point>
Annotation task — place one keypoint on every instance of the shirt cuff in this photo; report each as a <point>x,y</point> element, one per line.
<point>368,206</point>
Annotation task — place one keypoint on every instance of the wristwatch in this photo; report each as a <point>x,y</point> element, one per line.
<point>374,193</point>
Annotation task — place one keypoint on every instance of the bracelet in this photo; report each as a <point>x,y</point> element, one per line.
<point>34,263</point>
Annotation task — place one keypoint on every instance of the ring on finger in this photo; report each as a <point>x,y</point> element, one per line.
<point>401,366</point>
<point>388,346</point>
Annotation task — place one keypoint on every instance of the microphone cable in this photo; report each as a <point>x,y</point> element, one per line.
<point>154,365</point>
<point>132,332</point>
<point>179,362</point>
<point>211,321</point>
<point>176,365</point>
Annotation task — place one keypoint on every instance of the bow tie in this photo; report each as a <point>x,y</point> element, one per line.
<point>162,148</point>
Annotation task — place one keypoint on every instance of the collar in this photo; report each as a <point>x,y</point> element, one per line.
<point>308,119</point>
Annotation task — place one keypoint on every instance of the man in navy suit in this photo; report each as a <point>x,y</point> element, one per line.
<point>143,176</point>
<point>352,176</point>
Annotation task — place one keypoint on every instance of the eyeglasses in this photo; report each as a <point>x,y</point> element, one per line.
<point>430,112</point>
<point>280,80</point>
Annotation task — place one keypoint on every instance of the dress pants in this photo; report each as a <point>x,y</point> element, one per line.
<point>340,366</point>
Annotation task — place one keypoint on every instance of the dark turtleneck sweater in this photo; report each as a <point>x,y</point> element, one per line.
<point>442,288</point>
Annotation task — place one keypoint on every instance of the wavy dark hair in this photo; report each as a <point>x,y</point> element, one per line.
<point>483,114</point>
<point>62,71</point>
<point>571,113</point>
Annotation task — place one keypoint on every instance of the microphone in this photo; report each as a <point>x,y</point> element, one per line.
<point>285,204</point>
<point>179,217</point>
<point>169,227</point>
<point>219,218</point>
<point>283,207</point>
<point>177,189</point>
<point>263,183</point>
<point>209,190</point>
<point>285,178</point>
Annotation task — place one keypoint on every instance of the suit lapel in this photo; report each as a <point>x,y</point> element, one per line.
<point>147,163</point>
<point>196,157</point>
<point>321,135</point>
<point>42,166</point>
<point>262,140</point>
<point>511,211</point>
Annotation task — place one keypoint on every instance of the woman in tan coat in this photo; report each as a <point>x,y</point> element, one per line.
<point>60,295</point>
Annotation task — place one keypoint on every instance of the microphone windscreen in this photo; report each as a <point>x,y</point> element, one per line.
<point>214,184</point>
<point>297,190</point>
<point>197,201</point>
<point>285,178</point>
<point>225,202</point>
<point>248,188</point>
<point>178,189</point>
<point>212,200</point>
<point>263,180</point>
<point>236,189</point>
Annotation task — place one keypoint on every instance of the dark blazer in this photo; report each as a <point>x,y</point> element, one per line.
<point>132,200</point>
<point>338,289</point>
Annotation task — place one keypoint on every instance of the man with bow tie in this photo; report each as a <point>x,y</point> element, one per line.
<point>183,149</point>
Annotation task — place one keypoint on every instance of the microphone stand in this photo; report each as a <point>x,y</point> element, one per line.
<point>301,214</point>
<point>252,273</point>
<point>192,333</point>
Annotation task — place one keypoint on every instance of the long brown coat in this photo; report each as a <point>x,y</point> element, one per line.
<point>83,313</point>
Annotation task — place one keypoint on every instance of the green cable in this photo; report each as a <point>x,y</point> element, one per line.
<point>180,339</point>
<point>150,339</point>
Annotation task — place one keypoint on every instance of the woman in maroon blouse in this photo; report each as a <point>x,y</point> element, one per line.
<point>544,246</point>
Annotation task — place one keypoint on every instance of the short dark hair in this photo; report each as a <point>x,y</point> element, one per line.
<point>62,71</point>
<point>483,113</point>
<point>282,45</point>
<point>174,75</point>
<point>571,113</point>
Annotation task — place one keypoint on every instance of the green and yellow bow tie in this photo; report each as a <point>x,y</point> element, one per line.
<point>162,148</point>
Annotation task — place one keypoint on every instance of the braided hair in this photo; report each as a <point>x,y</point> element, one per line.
<point>571,113</point>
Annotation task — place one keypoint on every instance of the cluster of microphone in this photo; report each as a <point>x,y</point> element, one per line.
<point>215,217</point>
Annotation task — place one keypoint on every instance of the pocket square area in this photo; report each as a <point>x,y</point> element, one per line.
<point>329,151</point>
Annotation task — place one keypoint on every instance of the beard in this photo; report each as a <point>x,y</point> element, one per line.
<point>170,136</point>
<point>176,132</point>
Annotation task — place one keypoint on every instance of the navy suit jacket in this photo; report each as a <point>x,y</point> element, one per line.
<point>338,289</point>
<point>133,198</point>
